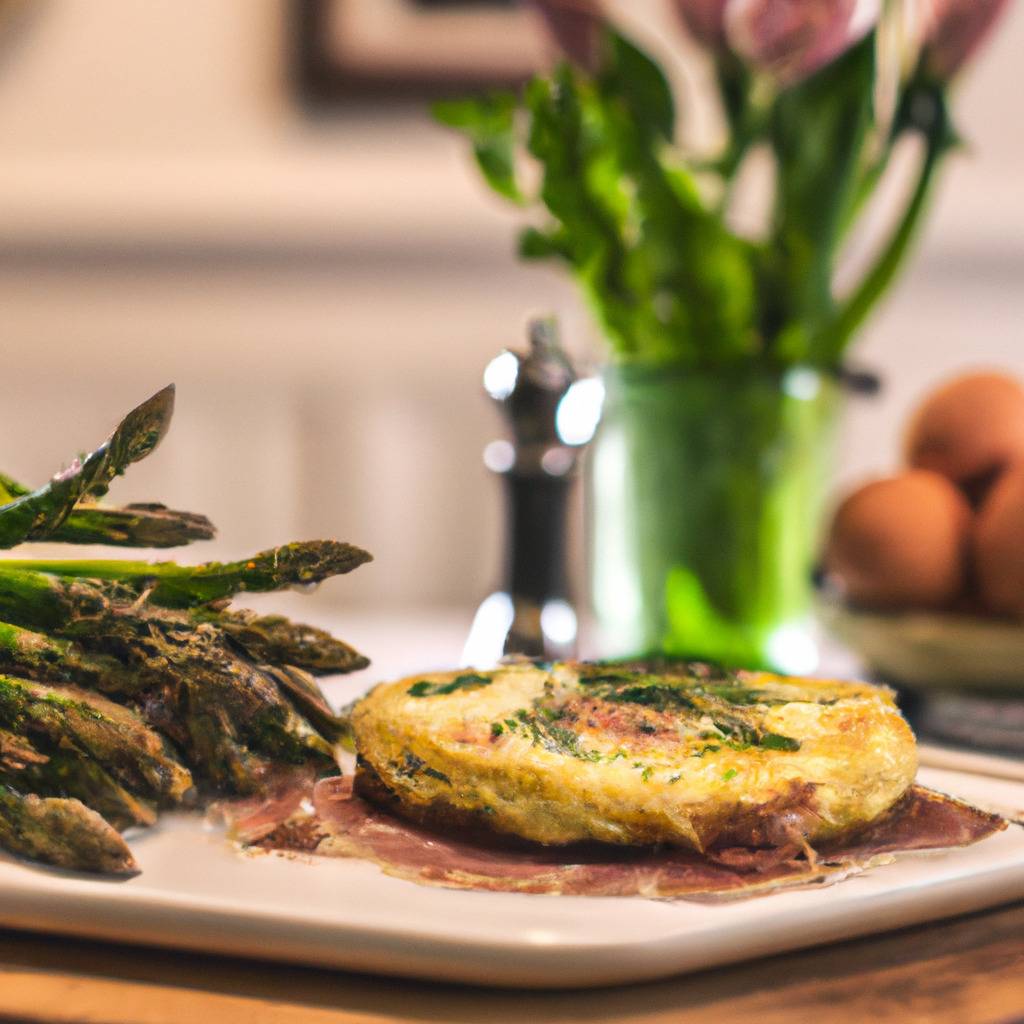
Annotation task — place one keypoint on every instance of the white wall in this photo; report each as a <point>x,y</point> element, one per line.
<point>326,295</point>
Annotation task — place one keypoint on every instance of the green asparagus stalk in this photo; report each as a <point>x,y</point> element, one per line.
<point>16,752</point>
<point>55,605</point>
<point>32,655</point>
<point>133,526</point>
<point>11,489</point>
<point>105,664</point>
<point>211,747</point>
<point>165,650</point>
<point>279,641</point>
<point>66,772</point>
<point>113,736</point>
<point>61,832</point>
<point>145,525</point>
<point>37,515</point>
<point>170,585</point>
<point>308,698</point>
<point>197,684</point>
<point>191,682</point>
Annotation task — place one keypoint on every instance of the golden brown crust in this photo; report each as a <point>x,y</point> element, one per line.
<point>571,753</point>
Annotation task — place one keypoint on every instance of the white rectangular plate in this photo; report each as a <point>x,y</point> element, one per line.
<point>196,892</point>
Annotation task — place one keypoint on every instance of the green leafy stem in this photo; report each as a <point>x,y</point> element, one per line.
<point>649,242</point>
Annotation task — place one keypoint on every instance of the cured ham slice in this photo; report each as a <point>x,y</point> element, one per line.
<point>344,825</point>
<point>252,818</point>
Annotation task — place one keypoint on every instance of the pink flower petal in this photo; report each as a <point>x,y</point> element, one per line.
<point>575,26</point>
<point>704,20</point>
<point>794,38</point>
<point>958,28</point>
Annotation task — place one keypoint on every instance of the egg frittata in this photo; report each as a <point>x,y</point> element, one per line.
<point>634,754</point>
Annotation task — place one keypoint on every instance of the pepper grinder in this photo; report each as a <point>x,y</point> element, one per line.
<point>550,414</point>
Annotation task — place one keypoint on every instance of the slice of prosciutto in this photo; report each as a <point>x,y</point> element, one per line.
<point>251,819</point>
<point>346,826</point>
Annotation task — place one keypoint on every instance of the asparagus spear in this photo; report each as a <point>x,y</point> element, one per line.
<point>11,489</point>
<point>164,649</point>
<point>211,729</point>
<point>302,688</point>
<point>229,688</point>
<point>67,772</point>
<point>36,515</point>
<point>148,525</point>
<point>184,586</point>
<point>16,752</point>
<point>279,641</point>
<point>61,832</point>
<point>40,601</point>
<point>71,720</point>
<point>211,746</point>
<point>37,656</point>
<point>144,525</point>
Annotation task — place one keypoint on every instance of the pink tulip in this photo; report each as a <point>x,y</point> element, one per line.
<point>957,29</point>
<point>794,38</point>
<point>576,26</point>
<point>704,20</point>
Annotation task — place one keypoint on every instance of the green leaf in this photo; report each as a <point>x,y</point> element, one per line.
<point>695,278</point>
<point>536,244</point>
<point>641,87</point>
<point>489,123</point>
<point>924,101</point>
<point>36,515</point>
<point>581,195</point>
<point>818,131</point>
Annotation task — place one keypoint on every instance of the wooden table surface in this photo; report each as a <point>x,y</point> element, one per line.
<point>969,970</point>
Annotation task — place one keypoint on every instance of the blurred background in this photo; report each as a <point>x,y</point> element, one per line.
<point>248,198</point>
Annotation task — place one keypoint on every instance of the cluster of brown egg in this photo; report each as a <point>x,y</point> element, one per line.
<point>948,532</point>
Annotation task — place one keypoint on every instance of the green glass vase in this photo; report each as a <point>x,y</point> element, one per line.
<point>705,495</point>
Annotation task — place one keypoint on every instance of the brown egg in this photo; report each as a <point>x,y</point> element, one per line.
<point>969,429</point>
<point>998,544</point>
<point>901,542</point>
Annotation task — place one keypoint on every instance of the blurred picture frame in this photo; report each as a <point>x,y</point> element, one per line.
<point>357,49</point>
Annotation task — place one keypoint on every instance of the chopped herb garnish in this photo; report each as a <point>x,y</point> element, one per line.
<point>737,744</point>
<point>651,695</point>
<point>730,774</point>
<point>673,779</point>
<point>411,764</point>
<point>466,681</point>
<point>647,773</point>
<point>496,728</point>
<point>773,741</point>
<point>555,738</point>
<point>710,748</point>
<point>732,694</point>
<point>606,677</point>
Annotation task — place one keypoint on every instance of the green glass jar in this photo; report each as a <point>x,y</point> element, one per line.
<point>705,496</point>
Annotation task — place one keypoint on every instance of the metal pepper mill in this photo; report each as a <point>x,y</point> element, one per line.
<point>551,415</point>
